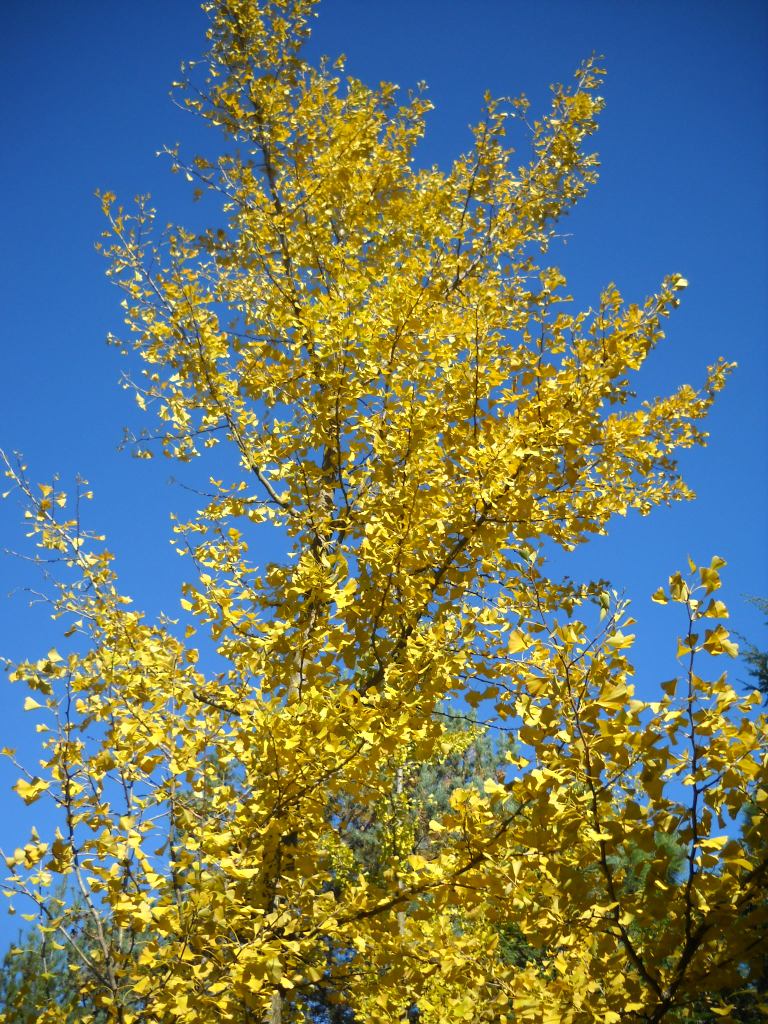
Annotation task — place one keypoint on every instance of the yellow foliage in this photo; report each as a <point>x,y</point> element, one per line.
<point>411,402</point>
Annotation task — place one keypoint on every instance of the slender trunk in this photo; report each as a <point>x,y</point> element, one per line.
<point>398,791</point>
<point>276,1008</point>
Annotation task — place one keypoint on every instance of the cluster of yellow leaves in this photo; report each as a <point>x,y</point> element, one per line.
<point>413,406</point>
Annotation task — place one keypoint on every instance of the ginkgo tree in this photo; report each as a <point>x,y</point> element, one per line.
<point>391,375</point>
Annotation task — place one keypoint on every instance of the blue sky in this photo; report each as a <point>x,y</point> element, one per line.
<point>684,147</point>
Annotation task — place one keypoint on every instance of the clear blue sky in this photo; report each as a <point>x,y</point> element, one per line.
<point>683,188</point>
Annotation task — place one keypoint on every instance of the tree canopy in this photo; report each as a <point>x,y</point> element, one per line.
<point>276,806</point>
